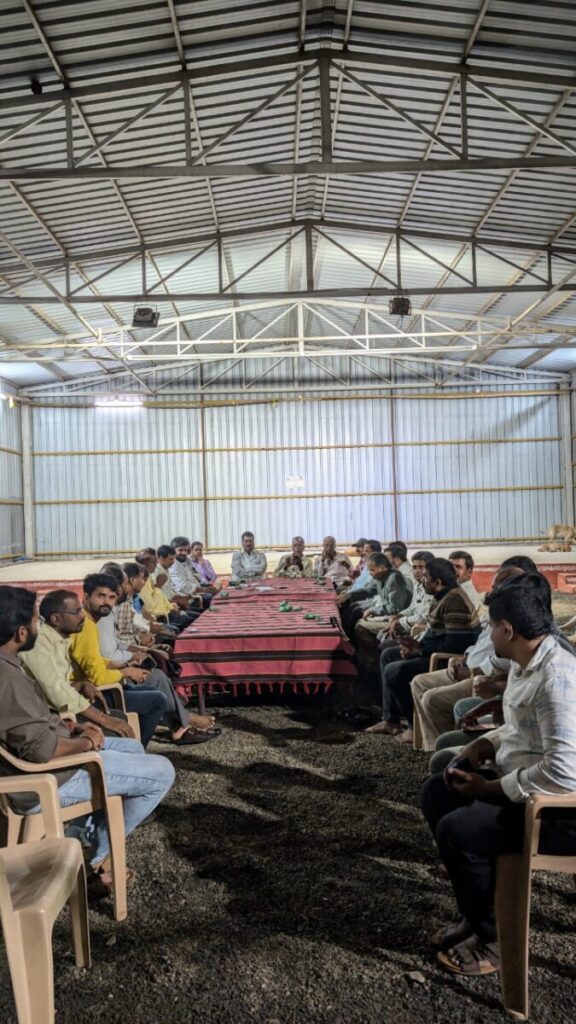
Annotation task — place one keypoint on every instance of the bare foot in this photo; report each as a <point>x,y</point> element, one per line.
<point>201,722</point>
<point>388,728</point>
<point>406,737</point>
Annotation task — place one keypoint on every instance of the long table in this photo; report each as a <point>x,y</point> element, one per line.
<point>244,642</point>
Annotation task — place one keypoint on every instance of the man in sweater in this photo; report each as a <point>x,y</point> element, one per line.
<point>452,626</point>
<point>392,594</point>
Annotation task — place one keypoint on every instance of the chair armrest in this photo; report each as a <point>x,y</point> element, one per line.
<point>437,657</point>
<point>117,693</point>
<point>535,804</point>
<point>91,762</point>
<point>45,786</point>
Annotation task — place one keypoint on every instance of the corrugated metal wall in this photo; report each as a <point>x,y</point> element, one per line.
<point>11,508</point>
<point>426,469</point>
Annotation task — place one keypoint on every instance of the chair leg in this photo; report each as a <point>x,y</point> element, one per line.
<point>417,731</point>
<point>118,855</point>
<point>79,920</point>
<point>36,970</point>
<point>10,828</point>
<point>33,828</point>
<point>513,888</point>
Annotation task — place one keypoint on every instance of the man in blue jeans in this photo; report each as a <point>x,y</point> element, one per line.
<point>31,731</point>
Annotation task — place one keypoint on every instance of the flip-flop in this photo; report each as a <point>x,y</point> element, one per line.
<point>471,957</point>
<point>193,736</point>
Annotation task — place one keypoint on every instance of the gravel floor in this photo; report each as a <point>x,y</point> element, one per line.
<point>289,878</point>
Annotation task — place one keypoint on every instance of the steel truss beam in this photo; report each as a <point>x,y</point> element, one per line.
<point>221,337</point>
<point>320,66</point>
<point>256,169</point>
<point>178,242</point>
<point>551,275</point>
<point>227,71</point>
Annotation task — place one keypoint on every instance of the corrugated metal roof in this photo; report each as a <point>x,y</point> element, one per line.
<point>393,100</point>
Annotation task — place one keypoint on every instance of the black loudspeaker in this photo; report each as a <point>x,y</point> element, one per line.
<point>400,305</point>
<point>145,316</point>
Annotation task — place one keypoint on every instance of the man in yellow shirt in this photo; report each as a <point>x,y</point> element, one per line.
<point>154,600</point>
<point>150,694</point>
<point>48,662</point>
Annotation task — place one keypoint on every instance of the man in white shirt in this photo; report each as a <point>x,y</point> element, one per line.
<point>464,565</point>
<point>248,564</point>
<point>477,813</point>
<point>184,581</point>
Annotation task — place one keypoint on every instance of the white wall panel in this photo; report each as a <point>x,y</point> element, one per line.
<point>495,465</point>
<point>11,510</point>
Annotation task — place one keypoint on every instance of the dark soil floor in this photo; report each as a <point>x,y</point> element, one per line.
<point>289,878</point>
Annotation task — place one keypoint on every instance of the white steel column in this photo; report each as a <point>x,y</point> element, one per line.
<point>566,430</point>
<point>28,483</point>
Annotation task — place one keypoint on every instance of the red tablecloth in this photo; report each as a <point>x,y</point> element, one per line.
<point>248,643</point>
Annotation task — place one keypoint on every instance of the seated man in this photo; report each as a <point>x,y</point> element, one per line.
<point>452,626</point>
<point>477,673</point>
<point>331,564</point>
<point>397,553</point>
<point>416,614</point>
<point>32,732</point>
<point>356,550</point>
<point>48,662</point>
<point>208,577</point>
<point>154,600</point>
<point>392,595</point>
<point>248,564</point>
<point>464,566</point>
<point>166,556</point>
<point>362,583</point>
<point>296,564</point>
<point>183,577</point>
<point>140,685</point>
<point>476,813</point>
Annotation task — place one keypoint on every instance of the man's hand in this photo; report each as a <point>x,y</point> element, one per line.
<point>138,658</point>
<point>92,693</point>
<point>488,707</point>
<point>393,626</point>
<point>146,640</point>
<point>94,732</point>
<point>468,784</point>
<point>477,753</point>
<point>461,671</point>
<point>368,614</point>
<point>487,687</point>
<point>119,727</point>
<point>137,675</point>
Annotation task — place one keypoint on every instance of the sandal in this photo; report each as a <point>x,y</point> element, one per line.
<point>450,935</point>
<point>192,736</point>
<point>471,957</point>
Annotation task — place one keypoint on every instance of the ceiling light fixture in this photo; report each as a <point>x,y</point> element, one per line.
<point>118,402</point>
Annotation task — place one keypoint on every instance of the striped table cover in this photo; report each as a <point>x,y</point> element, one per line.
<point>247,643</point>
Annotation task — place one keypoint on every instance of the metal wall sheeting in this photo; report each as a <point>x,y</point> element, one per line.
<point>11,515</point>
<point>342,449</point>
